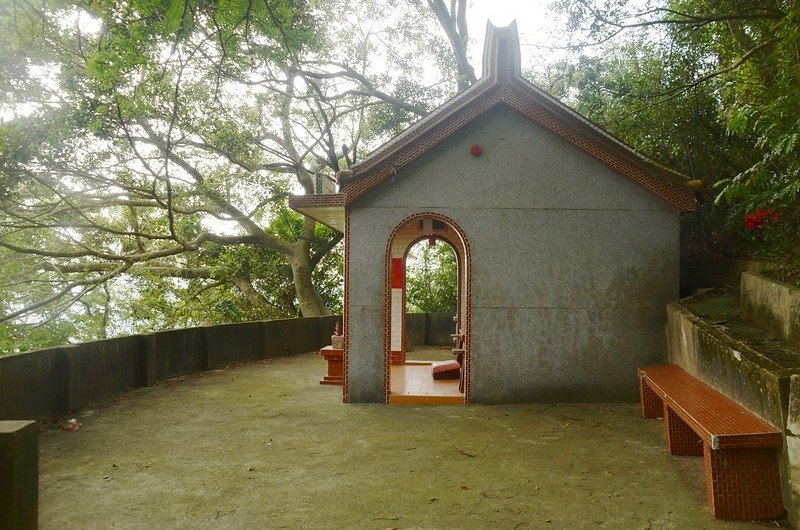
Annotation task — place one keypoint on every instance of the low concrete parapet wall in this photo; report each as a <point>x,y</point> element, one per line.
<point>50,383</point>
<point>429,329</point>
<point>34,385</point>
<point>774,305</point>
<point>724,363</point>
<point>439,328</point>
<point>97,369</point>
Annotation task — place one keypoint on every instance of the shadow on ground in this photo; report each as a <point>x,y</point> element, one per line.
<point>265,446</point>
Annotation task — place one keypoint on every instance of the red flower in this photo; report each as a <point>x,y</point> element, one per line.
<point>760,218</point>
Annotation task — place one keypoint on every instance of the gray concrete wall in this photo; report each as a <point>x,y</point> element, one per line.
<point>439,328</point>
<point>19,475</point>
<point>50,383</point>
<point>774,305</point>
<point>791,465</point>
<point>34,385</point>
<point>228,344</point>
<point>415,330</point>
<point>188,352</point>
<point>96,369</point>
<point>572,265</point>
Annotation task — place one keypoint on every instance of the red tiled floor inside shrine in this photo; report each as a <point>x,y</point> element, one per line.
<point>413,384</point>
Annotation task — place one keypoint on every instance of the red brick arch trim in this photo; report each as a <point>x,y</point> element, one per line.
<point>346,309</point>
<point>465,265</point>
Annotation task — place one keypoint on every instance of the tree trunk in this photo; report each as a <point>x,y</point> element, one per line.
<point>311,304</point>
<point>243,282</point>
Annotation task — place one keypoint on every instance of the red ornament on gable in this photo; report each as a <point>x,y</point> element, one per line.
<point>475,150</point>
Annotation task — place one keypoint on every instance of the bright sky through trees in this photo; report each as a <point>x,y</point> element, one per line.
<point>541,29</point>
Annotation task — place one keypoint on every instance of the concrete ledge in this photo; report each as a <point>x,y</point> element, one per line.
<point>19,475</point>
<point>774,305</point>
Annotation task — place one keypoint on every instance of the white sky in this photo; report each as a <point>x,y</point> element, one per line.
<point>540,28</point>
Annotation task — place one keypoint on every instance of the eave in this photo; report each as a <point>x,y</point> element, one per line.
<point>327,209</point>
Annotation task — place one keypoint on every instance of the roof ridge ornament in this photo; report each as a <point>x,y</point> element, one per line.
<point>501,55</point>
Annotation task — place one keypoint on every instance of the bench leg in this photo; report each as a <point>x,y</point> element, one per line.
<point>743,484</point>
<point>681,439</point>
<point>652,405</point>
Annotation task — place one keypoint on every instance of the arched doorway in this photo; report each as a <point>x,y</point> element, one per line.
<point>427,226</point>
<point>431,300</point>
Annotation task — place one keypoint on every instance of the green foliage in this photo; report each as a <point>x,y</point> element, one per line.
<point>709,88</point>
<point>135,153</point>
<point>147,148</point>
<point>431,278</point>
<point>73,320</point>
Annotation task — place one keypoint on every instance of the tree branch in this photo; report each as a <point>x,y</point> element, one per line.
<point>451,23</point>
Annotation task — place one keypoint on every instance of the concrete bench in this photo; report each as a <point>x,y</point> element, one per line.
<point>740,450</point>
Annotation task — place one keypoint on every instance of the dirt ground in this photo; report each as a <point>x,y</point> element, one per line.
<point>265,446</point>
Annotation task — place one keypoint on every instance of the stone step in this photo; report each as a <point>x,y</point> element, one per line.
<point>724,309</point>
<point>773,305</point>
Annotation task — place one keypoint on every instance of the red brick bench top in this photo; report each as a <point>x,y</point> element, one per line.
<point>720,422</point>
